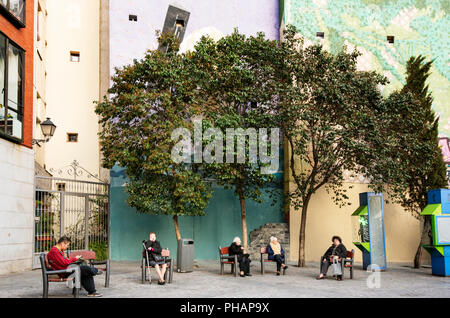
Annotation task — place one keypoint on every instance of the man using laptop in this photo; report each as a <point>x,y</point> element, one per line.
<point>58,260</point>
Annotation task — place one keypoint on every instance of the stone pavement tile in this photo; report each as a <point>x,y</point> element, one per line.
<point>205,281</point>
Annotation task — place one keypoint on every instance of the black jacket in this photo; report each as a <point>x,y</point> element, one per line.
<point>235,249</point>
<point>340,251</point>
<point>157,249</point>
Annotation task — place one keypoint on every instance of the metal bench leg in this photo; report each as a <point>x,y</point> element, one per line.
<point>45,289</point>
<point>221,268</point>
<point>76,292</point>
<point>171,271</point>
<point>143,271</point>
<point>108,271</point>
<point>262,264</point>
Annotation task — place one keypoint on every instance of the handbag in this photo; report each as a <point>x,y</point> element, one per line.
<point>158,258</point>
<point>336,267</point>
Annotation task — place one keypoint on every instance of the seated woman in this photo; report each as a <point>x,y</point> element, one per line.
<point>336,251</point>
<point>154,257</point>
<point>243,259</point>
<point>276,253</point>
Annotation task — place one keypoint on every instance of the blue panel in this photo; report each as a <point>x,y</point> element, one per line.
<point>377,247</point>
<point>366,259</point>
<point>363,198</point>
<point>440,264</point>
<point>440,196</point>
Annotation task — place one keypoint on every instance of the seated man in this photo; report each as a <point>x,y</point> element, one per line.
<point>57,260</point>
<point>336,251</point>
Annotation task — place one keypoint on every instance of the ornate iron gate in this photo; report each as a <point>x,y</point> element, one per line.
<point>77,209</point>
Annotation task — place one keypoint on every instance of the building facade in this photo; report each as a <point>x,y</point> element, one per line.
<point>16,133</point>
<point>129,27</point>
<point>387,33</point>
<point>68,37</point>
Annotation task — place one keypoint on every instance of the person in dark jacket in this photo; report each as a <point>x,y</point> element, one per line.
<point>243,259</point>
<point>154,250</point>
<point>276,253</point>
<point>336,251</point>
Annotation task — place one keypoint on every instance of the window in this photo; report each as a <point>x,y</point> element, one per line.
<point>74,56</point>
<point>320,34</point>
<point>11,89</point>
<point>132,17</point>
<point>14,11</point>
<point>72,137</point>
<point>61,186</point>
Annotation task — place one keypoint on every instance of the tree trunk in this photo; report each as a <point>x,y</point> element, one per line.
<point>177,228</point>
<point>244,222</point>
<point>424,239</point>
<point>302,234</point>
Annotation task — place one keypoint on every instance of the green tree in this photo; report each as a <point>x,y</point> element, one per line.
<point>236,77</point>
<point>149,100</point>
<point>327,108</point>
<point>412,162</point>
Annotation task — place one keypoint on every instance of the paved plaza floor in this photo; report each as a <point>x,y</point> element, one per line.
<point>399,280</point>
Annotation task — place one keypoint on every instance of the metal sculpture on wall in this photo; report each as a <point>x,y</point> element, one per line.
<point>438,209</point>
<point>368,230</point>
<point>176,22</point>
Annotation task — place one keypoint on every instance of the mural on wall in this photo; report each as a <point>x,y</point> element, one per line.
<point>418,27</point>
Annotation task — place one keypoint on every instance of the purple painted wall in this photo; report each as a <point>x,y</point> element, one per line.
<point>129,39</point>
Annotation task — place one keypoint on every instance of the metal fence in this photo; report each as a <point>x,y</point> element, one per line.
<point>77,209</point>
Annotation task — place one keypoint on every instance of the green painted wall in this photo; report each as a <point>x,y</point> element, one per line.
<point>219,226</point>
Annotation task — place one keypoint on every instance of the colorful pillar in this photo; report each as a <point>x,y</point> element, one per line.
<point>368,230</point>
<point>438,209</point>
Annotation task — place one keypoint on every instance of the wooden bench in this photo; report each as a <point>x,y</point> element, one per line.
<point>224,258</point>
<point>347,262</point>
<point>52,276</point>
<point>169,262</point>
<point>90,257</point>
<point>263,251</point>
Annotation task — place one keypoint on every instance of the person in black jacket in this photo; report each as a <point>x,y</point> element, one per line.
<point>154,250</point>
<point>243,259</point>
<point>336,251</point>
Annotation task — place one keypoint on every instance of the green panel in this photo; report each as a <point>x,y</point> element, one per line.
<point>434,229</point>
<point>219,226</point>
<point>363,246</point>
<point>362,210</point>
<point>430,248</point>
<point>440,249</point>
<point>281,11</point>
<point>432,209</point>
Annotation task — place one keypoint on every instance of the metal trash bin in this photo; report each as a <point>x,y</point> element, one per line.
<point>185,256</point>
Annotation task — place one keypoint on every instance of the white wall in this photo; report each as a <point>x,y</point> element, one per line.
<point>16,207</point>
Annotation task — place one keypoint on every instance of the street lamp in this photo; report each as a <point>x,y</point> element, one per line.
<point>48,130</point>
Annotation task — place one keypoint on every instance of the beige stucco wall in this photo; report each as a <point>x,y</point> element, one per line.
<point>325,219</point>
<point>72,87</point>
<point>40,77</point>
